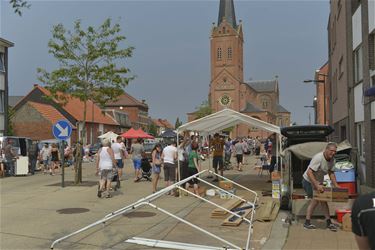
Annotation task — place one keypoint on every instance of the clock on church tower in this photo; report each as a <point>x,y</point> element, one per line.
<point>225,100</point>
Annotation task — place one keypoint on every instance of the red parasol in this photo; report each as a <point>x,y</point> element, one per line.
<point>133,134</point>
<point>144,134</point>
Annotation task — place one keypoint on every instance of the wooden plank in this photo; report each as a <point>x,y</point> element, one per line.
<point>233,221</point>
<point>232,203</point>
<point>265,210</point>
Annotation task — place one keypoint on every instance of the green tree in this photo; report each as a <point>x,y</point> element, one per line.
<point>152,129</point>
<point>203,110</point>
<point>178,123</point>
<point>18,5</point>
<point>91,65</point>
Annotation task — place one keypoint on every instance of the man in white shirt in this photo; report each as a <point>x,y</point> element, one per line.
<point>45,156</point>
<point>169,157</point>
<point>321,164</point>
<point>118,151</point>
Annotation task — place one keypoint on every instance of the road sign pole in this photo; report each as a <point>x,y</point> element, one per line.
<point>62,146</point>
<point>62,131</point>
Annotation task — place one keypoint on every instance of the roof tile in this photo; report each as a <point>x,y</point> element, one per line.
<point>48,111</point>
<point>75,108</point>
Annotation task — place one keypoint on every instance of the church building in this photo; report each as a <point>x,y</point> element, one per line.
<point>228,89</point>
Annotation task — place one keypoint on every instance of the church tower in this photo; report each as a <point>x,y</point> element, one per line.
<point>226,59</point>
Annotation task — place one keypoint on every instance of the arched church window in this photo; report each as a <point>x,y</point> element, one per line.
<point>230,53</point>
<point>265,102</point>
<point>219,54</point>
<point>223,30</point>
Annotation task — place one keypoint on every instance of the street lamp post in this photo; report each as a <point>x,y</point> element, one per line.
<point>324,94</point>
<point>314,107</point>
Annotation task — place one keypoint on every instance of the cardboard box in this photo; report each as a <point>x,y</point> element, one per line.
<point>226,185</point>
<point>201,190</point>
<point>347,222</point>
<point>275,176</point>
<point>332,194</point>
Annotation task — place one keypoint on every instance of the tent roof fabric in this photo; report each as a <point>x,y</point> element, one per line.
<point>224,119</point>
<point>307,150</point>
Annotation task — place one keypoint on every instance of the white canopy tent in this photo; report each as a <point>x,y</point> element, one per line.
<point>224,119</point>
<point>109,135</point>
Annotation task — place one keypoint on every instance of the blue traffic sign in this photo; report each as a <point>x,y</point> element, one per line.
<point>62,130</point>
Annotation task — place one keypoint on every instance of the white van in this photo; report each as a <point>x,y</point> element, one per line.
<point>21,146</point>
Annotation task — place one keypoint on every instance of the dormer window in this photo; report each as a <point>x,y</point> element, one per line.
<point>219,54</point>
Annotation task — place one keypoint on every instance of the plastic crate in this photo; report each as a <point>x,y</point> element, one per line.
<point>340,213</point>
<point>345,175</point>
<point>351,186</point>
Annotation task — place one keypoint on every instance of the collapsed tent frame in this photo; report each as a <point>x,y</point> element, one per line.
<point>147,201</point>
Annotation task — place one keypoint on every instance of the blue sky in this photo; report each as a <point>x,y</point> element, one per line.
<point>171,40</point>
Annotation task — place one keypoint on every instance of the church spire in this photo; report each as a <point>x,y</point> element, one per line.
<point>226,10</point>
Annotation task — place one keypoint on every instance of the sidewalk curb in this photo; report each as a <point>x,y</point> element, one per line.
<point>279,233</point>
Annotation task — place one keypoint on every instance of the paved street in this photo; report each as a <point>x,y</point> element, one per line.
<point>30,216</point>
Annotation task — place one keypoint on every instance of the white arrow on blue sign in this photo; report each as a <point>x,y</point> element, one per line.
<point>62,130</point>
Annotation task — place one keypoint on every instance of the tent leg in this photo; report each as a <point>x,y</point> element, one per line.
<point>209,176</point>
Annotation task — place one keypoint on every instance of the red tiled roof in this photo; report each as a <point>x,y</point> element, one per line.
<point>157,123</point>
<point>49,112</point>
<point>127,100</point>
<point>166,123</point>
<point>75,108</point>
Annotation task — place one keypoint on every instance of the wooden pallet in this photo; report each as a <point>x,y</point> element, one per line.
<point>230,204</point>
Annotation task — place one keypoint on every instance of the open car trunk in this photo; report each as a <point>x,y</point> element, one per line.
<point>302,143</point>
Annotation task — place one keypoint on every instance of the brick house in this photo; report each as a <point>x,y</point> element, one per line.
<point>162,125</point>
<point>136,110</point>
<point>35,115</point>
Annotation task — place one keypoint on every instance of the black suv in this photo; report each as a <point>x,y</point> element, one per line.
<point>299,140</point>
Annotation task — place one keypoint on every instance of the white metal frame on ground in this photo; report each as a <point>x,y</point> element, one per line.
<point>178,245</point>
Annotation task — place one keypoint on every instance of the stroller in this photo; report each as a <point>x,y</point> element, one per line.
<point>146,169</point>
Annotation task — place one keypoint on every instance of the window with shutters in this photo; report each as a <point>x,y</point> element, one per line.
<point>2,101</point>
<point>219,54</point>
<point>371,51</point>
<point>341,67</point>
<point>334,87</point>
<point>2,64</point>
<point>358,65</point>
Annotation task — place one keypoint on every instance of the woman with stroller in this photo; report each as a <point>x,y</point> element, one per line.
<point>104,167</point>
<point>193,168</point>
<point>156,166</point>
